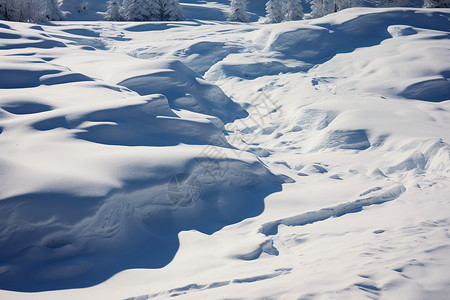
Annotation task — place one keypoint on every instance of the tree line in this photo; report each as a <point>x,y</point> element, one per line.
<point>39,11</point>
<point>278,11</point>
<point>36,11</point>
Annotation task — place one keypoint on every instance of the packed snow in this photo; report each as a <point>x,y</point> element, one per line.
<point>210,159</point>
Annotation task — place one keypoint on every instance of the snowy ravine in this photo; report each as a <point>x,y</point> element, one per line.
<point>213,160</point>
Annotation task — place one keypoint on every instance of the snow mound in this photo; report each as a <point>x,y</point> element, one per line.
<point>104,160</point>
<point>316,41</point>
<point>117,159</point>
<point>184,88</point>
<point>254,67</point>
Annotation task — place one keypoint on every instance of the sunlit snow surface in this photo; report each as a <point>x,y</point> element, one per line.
<point>215,160</point>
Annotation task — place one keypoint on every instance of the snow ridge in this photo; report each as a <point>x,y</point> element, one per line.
<point>340,210</point>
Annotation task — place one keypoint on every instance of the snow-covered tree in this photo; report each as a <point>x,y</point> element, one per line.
<point>238,11</point>
<point>171,10</point>
<point>49,11</point>
<point>394,3</point>
<point>14,10</point>
<point>135,10</point>
<point>2,9</point>
<point>320,8</point>
<point>155,10</point>
<point>436,4</point>
<point>113,11</point>
<point>24,11</point>
<point>274,10</point>
<point>30,10</point>
<point>293,10</point>
<point>151,10</point>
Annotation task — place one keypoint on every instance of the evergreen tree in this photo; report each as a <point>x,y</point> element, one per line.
<point>25,10</point>
<point>12,10</point>
<point>293,10</point>
<point>2,9</point>
<point>274,10</point>
<point>171,10</point>
<point>17,10</point>
<point>394,3</point>
<point>30,10</point>
<point>113,11</point>
<point>238,11</point>
<point>49,11</point>
<point>152,10</point>
<point>436,4</point>
<point>320,8</point>
<point>135,10</point>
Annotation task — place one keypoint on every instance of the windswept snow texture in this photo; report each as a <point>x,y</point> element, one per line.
<point>211,159</point>
<point>90,162</point>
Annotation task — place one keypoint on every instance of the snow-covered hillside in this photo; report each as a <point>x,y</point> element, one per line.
<point>206,159</point>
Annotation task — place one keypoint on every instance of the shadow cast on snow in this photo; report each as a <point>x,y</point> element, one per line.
<point>320,44</point>
<point>67,241</point>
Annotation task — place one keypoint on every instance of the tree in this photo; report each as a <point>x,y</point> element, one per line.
<point>320,8</point>
<point>30,10</point>
<point>2,9</point>
<point>171,10</point>
<point>49,11</point>
<point>293,10</point>
<point>436,4</point>
<point>155,10</point>
<point>394,3</point>
<point>12,10</point>
<point>274,10</point>
<point>152,10</point>
<point>113,11</point>
<point>3,14</point>
<point>238,11</point>
<point>135,10</point>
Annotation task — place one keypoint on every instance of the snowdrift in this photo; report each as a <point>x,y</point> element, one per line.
<point>125,150</point>
<point>102,168</point>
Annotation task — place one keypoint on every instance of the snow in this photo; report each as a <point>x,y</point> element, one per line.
<point>212,159</point>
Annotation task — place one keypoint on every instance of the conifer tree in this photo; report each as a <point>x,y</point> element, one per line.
<point>113,11</point>
<point>50,11</point>
<point>436,4</point>
<point>394,3</point>
<point>30,10</point>
<point>320,8</point>
<point>152,10</point>
<point>135,10</point>
<point>171,10</point>
<point>274,10</point>
<point>12,10</point>
<point>238,11</point>
<point>293,10</point>
<point>3,15</point>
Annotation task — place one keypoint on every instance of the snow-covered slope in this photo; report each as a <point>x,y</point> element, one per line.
<point>92,161</point>
<point>117,155</point>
